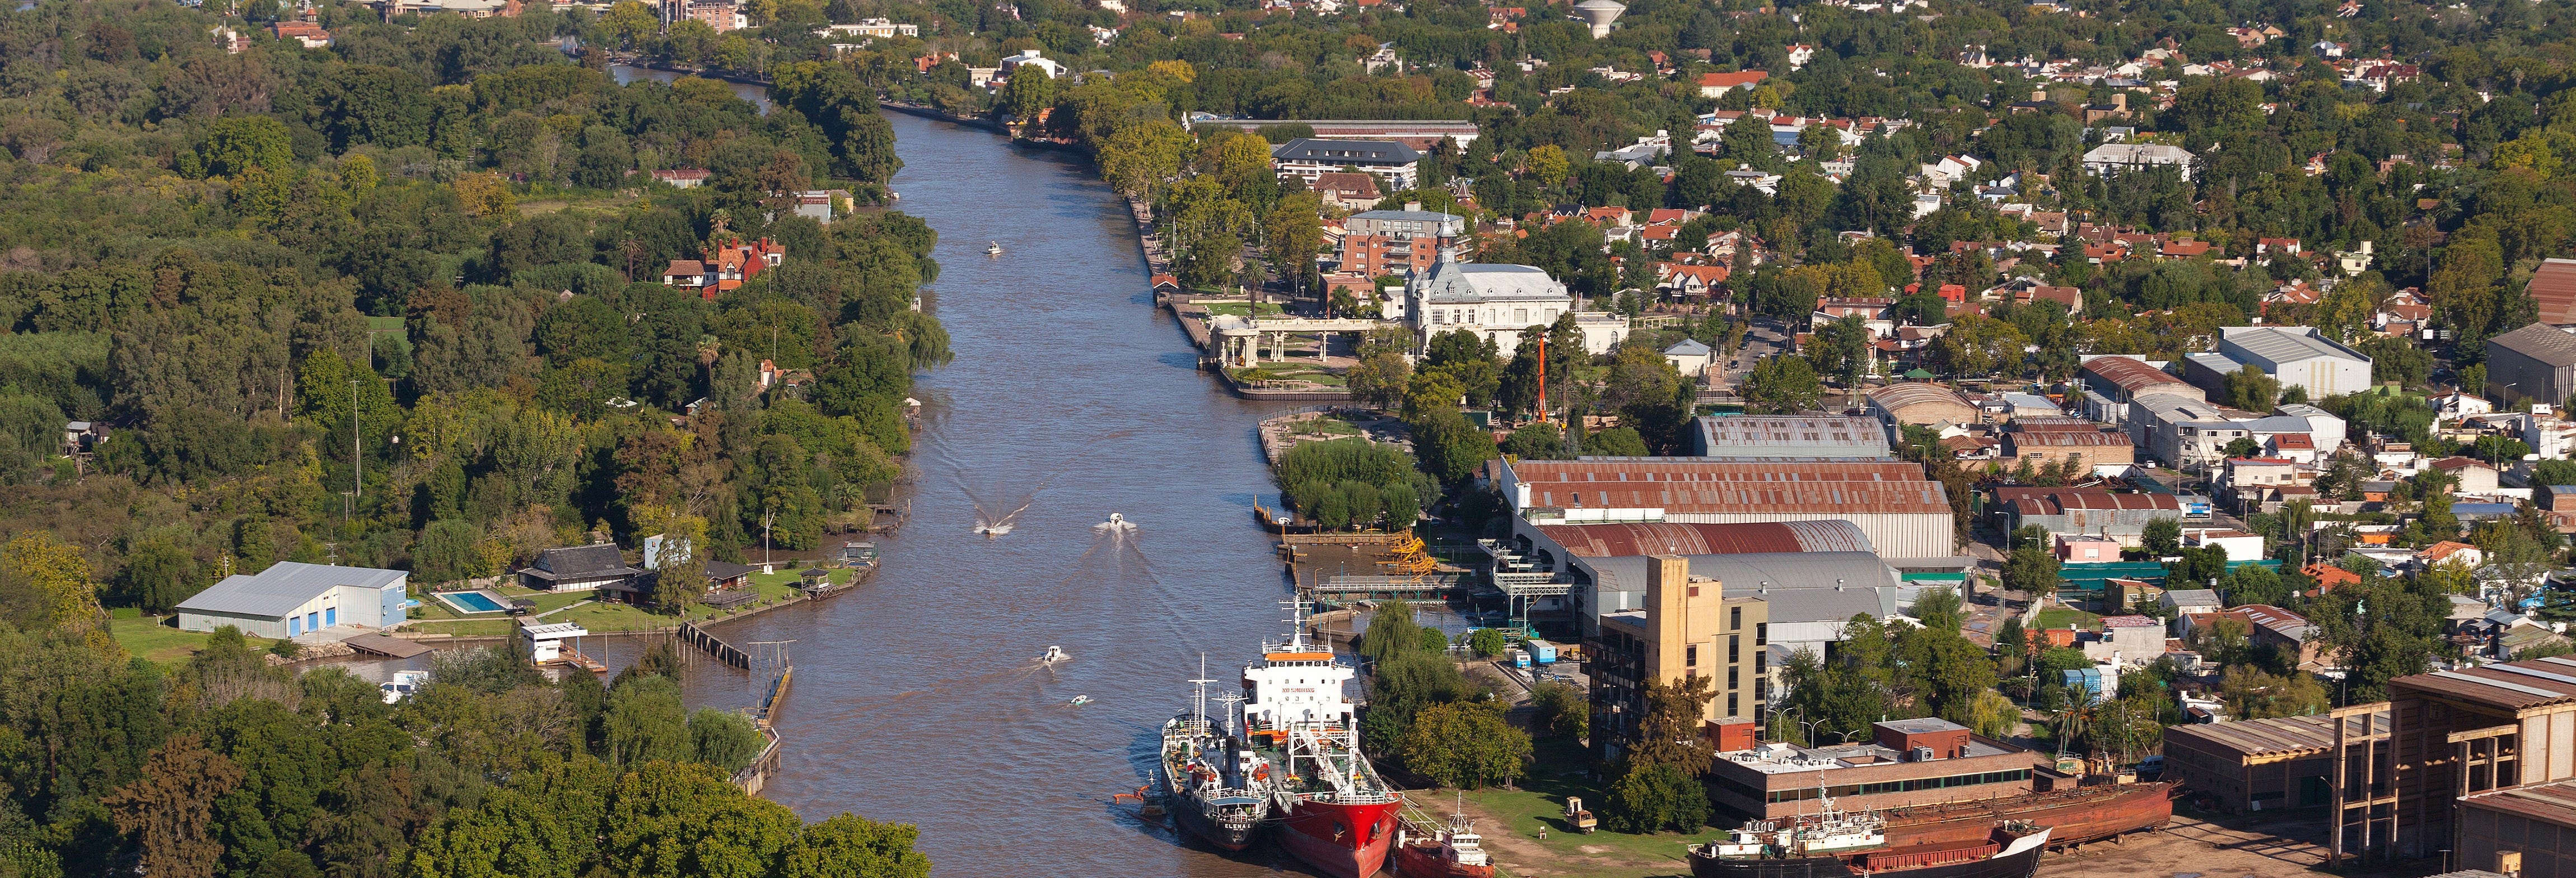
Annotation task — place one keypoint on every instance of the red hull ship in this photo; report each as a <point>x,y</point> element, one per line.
<point>2074,816</point>
<point>1428,850</point>
<point>1334,812</point>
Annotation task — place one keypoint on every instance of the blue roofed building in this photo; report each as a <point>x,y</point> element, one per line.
<point>291,599</point>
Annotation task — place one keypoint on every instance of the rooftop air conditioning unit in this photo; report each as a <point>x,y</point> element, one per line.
<point>1923,754</point>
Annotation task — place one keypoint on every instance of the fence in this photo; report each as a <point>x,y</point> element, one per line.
<point>714,646</point>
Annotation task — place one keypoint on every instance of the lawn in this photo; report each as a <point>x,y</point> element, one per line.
<point>2063,617</point>
<point>159,643</point>
<point>603,617</point>
<point>1238,309</point>
<point>1511,820</point>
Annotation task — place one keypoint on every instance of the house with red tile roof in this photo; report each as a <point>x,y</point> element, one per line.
<point>1715,84</point>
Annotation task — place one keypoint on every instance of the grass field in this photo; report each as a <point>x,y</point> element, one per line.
<point>159,643</point>
<point>1511,820</point>
<point>2061,617</point>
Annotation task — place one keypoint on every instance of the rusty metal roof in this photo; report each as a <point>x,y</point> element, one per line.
<point>2055,501</point>
<point>2507,686</point>
<point>1607,540</point>
<point>2552,802</point>
<point>1701,486</point>
<point>2553,287</point>
<point>2068,439</point>
<point>2272,737</point>
<point>1897,396</point>
<point>2130,374</point>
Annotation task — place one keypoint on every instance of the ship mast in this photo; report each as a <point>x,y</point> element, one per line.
<point>1198,707</point>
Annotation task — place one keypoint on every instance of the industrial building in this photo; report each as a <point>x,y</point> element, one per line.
<point>1904,514</point>
<point>292,599</point>
<point>1811,594</point>
<point>2089,447</point>
<point>2122,518</point>
<point>1798,436</point>
<point>2553,288</point>
<point>2114,384</point>
<point>1903,762</point>
<point>2536,363</point>
<point>1689,626</point>
<point>2258,765</point>
<point>2454,734</point>
<point>2296,356</point>
<point>2527,831</point>
<point>1921,403</point>
<point>1550,543</point>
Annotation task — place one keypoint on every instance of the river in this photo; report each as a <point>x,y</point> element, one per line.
<point>917,698</point>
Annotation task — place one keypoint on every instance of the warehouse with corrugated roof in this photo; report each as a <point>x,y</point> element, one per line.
<point>1902,513</point>
<point>2257,765</point>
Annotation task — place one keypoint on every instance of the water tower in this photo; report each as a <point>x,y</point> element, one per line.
<point>1599,14</point>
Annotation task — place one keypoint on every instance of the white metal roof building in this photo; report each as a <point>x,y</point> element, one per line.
<point>291,599</point>
<point>2297,356</point>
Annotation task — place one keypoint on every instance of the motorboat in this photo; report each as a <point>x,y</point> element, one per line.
<point>1078,701</point>
<point>1116,522</point>
<point>992,530</point>
<point>1053,654</point>
<point>993,249</point>
<point>404,685</point>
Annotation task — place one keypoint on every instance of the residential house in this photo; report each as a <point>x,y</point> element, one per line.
<point>2473,476</point>
<point>596,567</point>
<point>2239,545</point>
<point>1347,191</point>
<point>1715,84</point>
<point>1035,60</point>
<point>1689,357</point>
<point>683,178</point>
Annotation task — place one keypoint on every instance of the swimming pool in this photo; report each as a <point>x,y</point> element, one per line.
<point>472,601</point>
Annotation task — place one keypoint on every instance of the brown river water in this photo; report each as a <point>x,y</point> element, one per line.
<point>918,698</point>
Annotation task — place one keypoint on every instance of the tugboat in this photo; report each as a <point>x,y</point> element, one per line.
<point>1216,787</point>
<point>1428,850</point>
<point>1835,844</point>
<point>1335,813</point>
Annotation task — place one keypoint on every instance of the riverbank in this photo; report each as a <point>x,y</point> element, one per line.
<point>1275,382</point>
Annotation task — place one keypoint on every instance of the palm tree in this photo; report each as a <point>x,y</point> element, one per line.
<point>2073,717</point>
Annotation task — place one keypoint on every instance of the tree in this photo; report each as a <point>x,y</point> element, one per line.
<point>1464,745</point>
<point>723,739</point>
<point>1654,796</point>
<point>1029,92</point>
<point>1782,385</point>
<point>1548,164</point>
<point>1669,733</point>
<point>646,722</point>
<point>1380,379</point>
<point>2031,569</point>
<point>2253,694</point>
<point>171,809</point>
<point>1560,709</point>
<point>1487,642</point>
<point>2252,390</point>
<point>2162,536</point>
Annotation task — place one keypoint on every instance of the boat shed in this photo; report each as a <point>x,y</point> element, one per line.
<point>293,599</point>
<point>2469,730</point>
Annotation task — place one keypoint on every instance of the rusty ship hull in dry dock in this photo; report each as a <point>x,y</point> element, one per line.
<point>2073,816</point>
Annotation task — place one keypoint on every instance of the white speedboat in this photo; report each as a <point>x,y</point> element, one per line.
<point>993,249</point>
<point>1116,522</point>
<point>1053,654</point>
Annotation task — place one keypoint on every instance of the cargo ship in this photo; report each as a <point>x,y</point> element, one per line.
<point>2072,816</point>
<point>1215,787</point>
<point>1834,844</point>
<point>1333,811</point>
